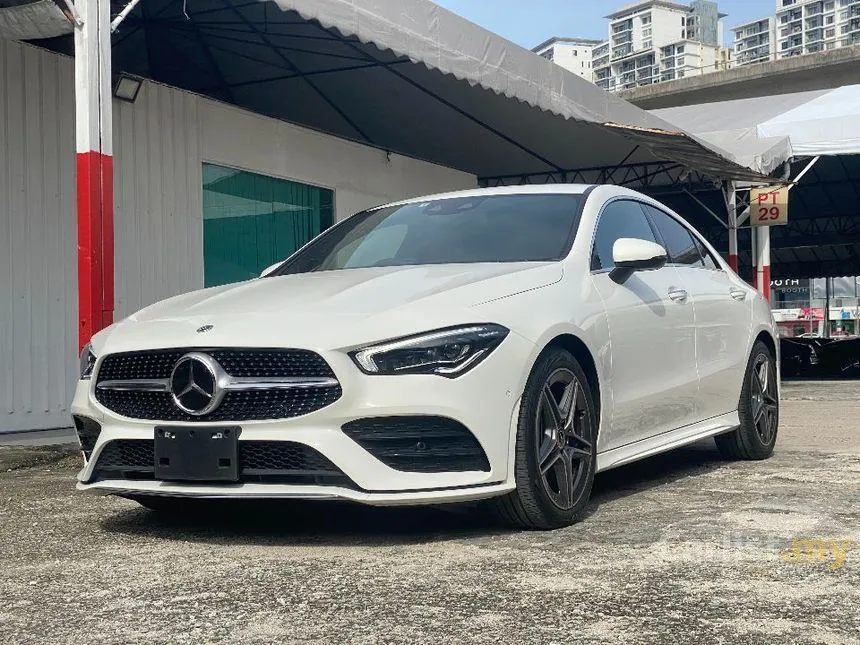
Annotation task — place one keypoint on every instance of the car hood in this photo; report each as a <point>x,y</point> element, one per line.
<point>328,309</point>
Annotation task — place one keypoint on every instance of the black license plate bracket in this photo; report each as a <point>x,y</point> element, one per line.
<point>197,454</point>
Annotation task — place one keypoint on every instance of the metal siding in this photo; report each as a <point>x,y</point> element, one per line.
<point>37,237</point>
<point>158,186</point>
<point>159,152</point>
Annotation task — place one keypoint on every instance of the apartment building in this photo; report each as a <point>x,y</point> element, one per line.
<point>755,41</point>
<point>799,27</point>
<point>574,54</point>
<point>655,41</point>
<point>810,26</point>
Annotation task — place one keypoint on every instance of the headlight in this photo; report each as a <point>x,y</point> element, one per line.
<point>446,352</point>
<point>88,361</point>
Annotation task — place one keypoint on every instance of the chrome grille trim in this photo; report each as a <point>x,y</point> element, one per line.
<point>227,383</point>
<point>137,385</point>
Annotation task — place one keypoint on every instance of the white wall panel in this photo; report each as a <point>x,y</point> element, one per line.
<point>38,275</point>
<point>160,144</point>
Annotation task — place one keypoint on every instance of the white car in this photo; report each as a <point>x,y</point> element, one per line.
<point>503,343</point>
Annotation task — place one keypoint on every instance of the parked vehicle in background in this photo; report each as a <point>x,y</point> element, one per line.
<point>812,357</point>
<point>797,357</point>
<point>840,357</point>
<point>505,343</point>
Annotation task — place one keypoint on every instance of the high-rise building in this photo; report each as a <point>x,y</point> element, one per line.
<point>809,26</point>
<point>799,27</point>
<point>755,41</point>
<point>574,54</point>
<point>656,41</point>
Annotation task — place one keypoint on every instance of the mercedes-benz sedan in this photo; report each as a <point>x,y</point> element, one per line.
<point>505,343</point>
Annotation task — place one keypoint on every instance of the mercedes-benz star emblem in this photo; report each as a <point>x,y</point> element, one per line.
<point>205,328</point>
<point>195,384</point>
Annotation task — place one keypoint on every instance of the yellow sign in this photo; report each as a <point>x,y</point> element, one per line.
<point>769,206</point>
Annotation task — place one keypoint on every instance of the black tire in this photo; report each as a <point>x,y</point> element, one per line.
<point>540,500</point>
<point>758,410</point>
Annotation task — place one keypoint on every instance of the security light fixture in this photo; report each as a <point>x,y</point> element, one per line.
<point>127,87</point>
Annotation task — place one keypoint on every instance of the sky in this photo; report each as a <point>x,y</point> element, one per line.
<point>530,22</point>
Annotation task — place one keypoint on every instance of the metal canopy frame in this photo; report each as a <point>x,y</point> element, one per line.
<point>642,175</point>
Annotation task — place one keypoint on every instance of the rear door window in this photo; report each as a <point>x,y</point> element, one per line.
<point>679,242</point>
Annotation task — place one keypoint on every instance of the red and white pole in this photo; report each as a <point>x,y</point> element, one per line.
<point>732,207</point>
<point>762,234</point>
<point>94,168</point>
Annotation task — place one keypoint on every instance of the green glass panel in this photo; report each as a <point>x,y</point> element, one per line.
<point>251,221</point>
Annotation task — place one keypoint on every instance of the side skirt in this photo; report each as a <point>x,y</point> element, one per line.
<point>667,441</point>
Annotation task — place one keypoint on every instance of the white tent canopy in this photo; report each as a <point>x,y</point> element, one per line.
<point>765,131</point>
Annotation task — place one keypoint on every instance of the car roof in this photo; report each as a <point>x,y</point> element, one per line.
<point>543,189</point>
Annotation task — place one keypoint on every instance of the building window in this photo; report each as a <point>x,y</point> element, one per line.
<point>646,44</point>
<point>680,49</point>
<point>251,221</point>
<point>548,54</point>
<point>830,33</point>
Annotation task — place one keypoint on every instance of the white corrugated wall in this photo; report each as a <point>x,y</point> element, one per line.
<point>160,144</point>
<point>38,262</point>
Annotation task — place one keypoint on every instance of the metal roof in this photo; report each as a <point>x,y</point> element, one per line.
<point>406,76</point>
<point>822,237</point>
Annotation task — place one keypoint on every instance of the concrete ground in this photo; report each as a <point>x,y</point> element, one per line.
<point>682,548</point>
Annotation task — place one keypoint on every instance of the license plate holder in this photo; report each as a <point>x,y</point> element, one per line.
<point>197,454</point>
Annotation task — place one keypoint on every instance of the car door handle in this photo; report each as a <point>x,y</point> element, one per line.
<point>738,294</point>
<point>678,295</point>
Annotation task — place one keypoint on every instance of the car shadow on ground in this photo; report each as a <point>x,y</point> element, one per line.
<point>345,524</point>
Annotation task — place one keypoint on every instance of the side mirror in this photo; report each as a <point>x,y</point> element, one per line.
<point>269,269</point>
<point>631,255</point>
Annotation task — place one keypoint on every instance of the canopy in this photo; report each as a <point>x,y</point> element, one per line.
<point>407,76</point>
<point>765,131</point>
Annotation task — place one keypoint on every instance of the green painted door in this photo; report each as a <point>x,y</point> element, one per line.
<point>251,221</point>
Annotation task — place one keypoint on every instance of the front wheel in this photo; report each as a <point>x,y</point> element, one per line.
<point>556,448</point>
<point>758,410</point>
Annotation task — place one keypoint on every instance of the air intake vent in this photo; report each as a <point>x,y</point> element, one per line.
<point>421,444</point>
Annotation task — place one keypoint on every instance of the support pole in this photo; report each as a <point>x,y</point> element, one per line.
<point>754,255</point>
<point>93,135</point>
<point>762,234</point>
<point>731,194</point>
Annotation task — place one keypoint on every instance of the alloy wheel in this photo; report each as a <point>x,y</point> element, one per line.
<point>765,402</point>
<point>564,438</point>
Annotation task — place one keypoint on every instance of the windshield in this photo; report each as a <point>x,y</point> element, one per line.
<point>496,228</point>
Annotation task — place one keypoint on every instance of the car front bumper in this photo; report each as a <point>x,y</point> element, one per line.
<point>484,400</point>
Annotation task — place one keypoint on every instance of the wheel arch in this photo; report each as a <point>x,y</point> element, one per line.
<point>582,354</point>
<point>767,338</point>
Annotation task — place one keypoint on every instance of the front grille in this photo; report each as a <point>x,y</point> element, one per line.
<point>259,461</point>
<point>248,405</point>
<point>421,444</point>
<point>237,405</point>
<point>155,364</point>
